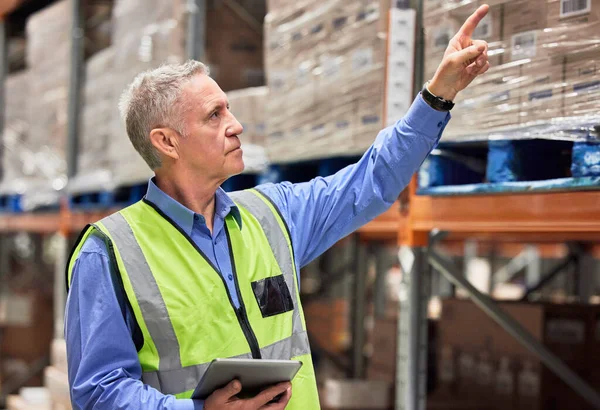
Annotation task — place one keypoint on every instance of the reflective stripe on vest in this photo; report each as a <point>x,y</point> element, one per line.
<point>186,378</point>
<point>145,287</point>
<point>277,241</point>
<point>172,377</point>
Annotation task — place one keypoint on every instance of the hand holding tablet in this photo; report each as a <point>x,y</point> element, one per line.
<point>247,384</point>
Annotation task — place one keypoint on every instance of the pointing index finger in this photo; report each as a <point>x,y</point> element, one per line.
<point>469,26</point>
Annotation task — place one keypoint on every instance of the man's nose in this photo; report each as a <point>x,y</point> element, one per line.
<point>235,128</point>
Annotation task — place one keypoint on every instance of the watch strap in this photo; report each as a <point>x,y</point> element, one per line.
<point>435,102</point>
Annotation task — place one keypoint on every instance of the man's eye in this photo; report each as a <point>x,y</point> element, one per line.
<point>214,114</point>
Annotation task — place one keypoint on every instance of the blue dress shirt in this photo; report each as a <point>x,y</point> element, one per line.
<point>104,370</point>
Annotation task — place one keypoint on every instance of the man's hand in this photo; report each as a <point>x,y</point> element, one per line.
<point>226,398</point>
<point>463,60</point>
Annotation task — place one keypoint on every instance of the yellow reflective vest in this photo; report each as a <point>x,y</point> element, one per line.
<point>180,300</point>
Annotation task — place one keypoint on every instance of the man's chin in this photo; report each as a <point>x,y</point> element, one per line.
<point>238,168</point>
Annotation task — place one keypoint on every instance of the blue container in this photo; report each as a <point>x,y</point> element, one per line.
<point>586,159</point>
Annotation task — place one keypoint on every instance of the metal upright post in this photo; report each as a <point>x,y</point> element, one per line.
<point>76,78</point>
<point>358,310</point>
<point>384,260</point>
<point>60,292</point>
<point>587,272</point>
<point>533,271</point>
<point>73,116</point>
<point>196,35</point>
<point>3,72</point>
<point>419,68</point>
<point>411,376</point>
<point>4,261</point>
<point>4,241</point>
<point>470,249</point>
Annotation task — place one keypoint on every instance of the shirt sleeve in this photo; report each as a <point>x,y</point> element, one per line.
<point>324,210</point>
<point>103,365</point>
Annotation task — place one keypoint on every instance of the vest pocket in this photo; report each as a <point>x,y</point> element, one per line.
<point>272,295</point>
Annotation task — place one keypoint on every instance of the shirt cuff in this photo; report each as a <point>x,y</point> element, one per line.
<point>188,404</point>
<point>425,120</point>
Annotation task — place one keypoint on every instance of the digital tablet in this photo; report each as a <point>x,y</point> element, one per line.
<point>254,374</point>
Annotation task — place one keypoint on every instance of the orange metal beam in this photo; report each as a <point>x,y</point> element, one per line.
<point>30,222</point>
<point>385,227</point>
<point>506,249</point>
<point>78,220</point>
<point>543,217</point>
<point>507,221</point>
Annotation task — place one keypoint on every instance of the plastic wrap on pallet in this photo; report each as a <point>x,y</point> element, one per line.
<point>255,158</point>
<point>528,160</point>
<point>99,100</point>
<point>44,145</point>
<point>325,64</point>
<point>147,34</point>
<point>15,152</point>
<point>545,76</point>
<point>586,159</point>
<point>248,106</point>
<point>448,167</point>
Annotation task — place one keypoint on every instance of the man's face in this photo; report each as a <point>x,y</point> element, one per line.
<point>211,145</point>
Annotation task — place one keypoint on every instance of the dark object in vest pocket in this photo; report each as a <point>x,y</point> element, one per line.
<point>272,295</point>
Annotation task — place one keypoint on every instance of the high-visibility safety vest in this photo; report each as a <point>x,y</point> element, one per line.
<point>181,303</point>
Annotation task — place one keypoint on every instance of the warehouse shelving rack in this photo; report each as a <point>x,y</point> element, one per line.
<point>63,221</point>
<point>423,222</point>
<point>524,218</point>
<point>520,218</point>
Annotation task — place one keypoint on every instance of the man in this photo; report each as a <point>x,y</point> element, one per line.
<point>191,273</point>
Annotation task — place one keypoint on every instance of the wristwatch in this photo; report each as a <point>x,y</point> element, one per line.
<point>435,102</point>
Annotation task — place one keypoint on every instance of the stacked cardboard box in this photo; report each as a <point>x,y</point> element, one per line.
<point>325,63</point>
<point>383,358</point>
<point>593,352</point>
<point>480,359</point>
<point>147,34</point>
<point>144,36</point>
<point>582,78</point>
<point>55,395</point>
<point>544,55</point>
<point>248,106</point>
<point>37,166</point>
<point>48,61</point>
<point>327,322</point>
<point>26,319</point>
<point>357,394</point>
<point>15,134</point>
<point>55,377</point>
<point>30,398</point>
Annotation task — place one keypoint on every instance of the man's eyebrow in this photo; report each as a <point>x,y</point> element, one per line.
<point>216,105</point>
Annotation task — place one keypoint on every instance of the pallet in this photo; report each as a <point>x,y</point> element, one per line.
<point>241,182</point>
<point>120,197</point>
<point>11,203</point>
<point>509,166</point>
<point>306,170</point>
<point>293,172</point>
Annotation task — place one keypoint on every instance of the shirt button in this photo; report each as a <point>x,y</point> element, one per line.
<point>440,124</point>
<point>230,277</point>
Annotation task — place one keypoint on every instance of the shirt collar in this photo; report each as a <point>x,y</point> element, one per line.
<point>183,216</point>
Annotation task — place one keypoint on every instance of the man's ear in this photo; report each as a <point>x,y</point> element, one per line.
<point>166,141</point>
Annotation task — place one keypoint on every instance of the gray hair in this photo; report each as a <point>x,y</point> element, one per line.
<point>153,100</point>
